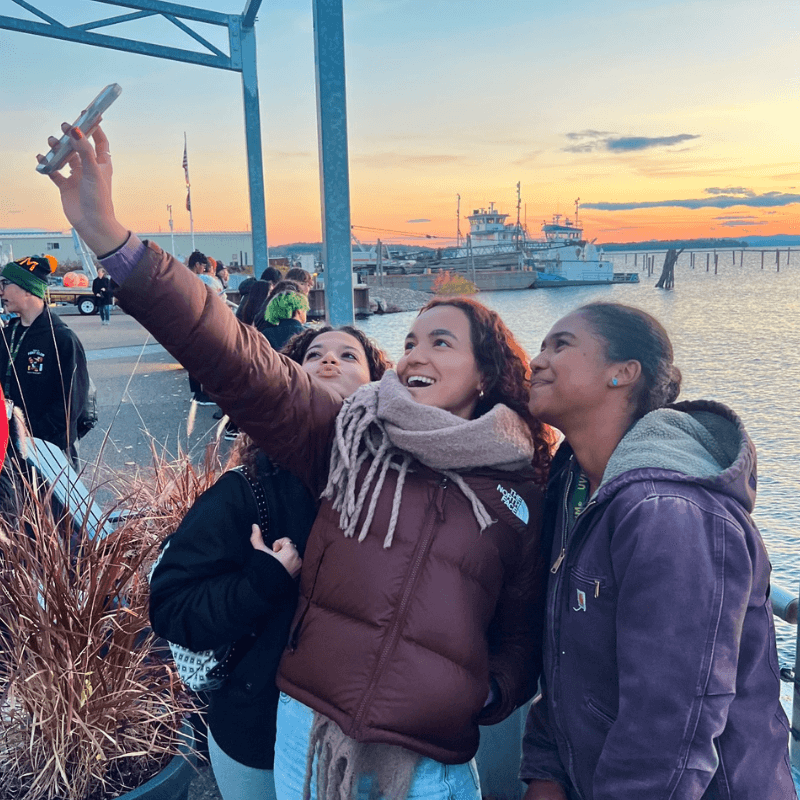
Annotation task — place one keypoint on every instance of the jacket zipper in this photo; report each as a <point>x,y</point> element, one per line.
<point>555,605</point>
<point>557,563</point>
<point>438,507</point>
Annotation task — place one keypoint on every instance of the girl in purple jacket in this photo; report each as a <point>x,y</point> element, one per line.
<point>660,671</point>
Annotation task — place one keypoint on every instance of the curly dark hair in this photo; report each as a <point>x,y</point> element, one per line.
<point>296,348</point>
<point>505,370</point>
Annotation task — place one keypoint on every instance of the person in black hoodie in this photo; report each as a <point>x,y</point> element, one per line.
<point>101,289</point>
<point>218,581</point>
<point>42,362</point>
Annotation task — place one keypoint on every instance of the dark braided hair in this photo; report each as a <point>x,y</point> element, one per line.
<point>631,334</point>
<point>505,370</point>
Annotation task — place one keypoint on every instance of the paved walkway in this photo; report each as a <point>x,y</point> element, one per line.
<point>142,393</point>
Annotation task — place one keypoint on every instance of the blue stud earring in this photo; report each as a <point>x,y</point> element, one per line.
<point>614,381</point>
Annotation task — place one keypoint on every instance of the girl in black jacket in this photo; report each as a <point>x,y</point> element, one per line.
<point>218,582</point>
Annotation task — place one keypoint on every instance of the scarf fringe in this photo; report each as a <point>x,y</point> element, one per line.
<point>341,761</point>
<point>362,432</point>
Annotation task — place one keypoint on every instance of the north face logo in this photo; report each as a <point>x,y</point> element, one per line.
<point>515,504</point>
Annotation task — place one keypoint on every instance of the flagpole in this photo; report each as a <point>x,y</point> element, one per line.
<point>188,188</point>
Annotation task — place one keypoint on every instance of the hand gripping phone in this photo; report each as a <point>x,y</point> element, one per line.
<point>87,122</point>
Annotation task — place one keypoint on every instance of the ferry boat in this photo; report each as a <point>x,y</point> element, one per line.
<point>562,258</point>
<point>567,259</point>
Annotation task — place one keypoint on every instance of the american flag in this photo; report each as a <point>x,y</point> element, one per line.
<point>186,163</point>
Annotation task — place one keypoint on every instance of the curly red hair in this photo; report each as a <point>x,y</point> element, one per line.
<point>506,372</point>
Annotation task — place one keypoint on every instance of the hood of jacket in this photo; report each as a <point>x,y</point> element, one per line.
<point>701,441</point>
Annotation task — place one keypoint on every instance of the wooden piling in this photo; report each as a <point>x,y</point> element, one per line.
<point>777,261</point>
<point>716,261</point>
<point>762,259</point>
<point>708,257</point>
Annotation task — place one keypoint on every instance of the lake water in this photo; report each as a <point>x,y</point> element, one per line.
<point>736,337</point>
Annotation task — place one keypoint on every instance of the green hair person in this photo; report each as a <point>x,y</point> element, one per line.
<point>284,306</point>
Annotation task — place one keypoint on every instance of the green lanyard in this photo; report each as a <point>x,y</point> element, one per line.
<point>578,497</point>
<point>13,349</point>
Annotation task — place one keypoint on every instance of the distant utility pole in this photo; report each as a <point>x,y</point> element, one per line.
<point>458,220</point>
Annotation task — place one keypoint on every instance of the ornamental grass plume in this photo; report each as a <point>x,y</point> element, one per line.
<point>91,708</point>
<point>166,488</point>
<point>450,284</point>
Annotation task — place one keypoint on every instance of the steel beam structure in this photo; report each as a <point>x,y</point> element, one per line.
<point>241,58</point>
<point>334,170</point>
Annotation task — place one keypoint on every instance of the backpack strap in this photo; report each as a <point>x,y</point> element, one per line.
<point>259,495</point>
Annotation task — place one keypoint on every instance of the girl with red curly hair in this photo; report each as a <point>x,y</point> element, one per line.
<point>421,590</point>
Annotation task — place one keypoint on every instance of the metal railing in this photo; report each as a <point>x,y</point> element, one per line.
<point>785,606</point>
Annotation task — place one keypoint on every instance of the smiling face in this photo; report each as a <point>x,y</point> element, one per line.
<point>571,375</point>
<point>439,366</point>
<point>337,359</point>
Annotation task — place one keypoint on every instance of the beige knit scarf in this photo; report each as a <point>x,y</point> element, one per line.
<point>383,422</point>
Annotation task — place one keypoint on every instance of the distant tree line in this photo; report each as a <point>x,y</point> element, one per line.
<point>666,244</point>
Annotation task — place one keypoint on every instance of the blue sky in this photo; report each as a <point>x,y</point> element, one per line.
<point>640,109</point>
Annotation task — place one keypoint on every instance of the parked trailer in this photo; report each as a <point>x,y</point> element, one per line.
<point>80,296</point>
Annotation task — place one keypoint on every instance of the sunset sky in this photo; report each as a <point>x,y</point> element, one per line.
<point>668,119</point>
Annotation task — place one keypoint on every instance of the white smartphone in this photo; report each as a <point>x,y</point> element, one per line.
<point>87,122</point>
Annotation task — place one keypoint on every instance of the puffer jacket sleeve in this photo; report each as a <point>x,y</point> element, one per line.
<point>289,415</point>
<point>211,586</point>
<point>684,575</point>
<point>540,758</point>
<point>517,629</point>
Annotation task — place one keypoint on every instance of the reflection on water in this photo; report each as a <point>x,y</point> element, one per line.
<point>736,337</point>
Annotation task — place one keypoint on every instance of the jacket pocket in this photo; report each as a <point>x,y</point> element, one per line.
<point>600,713</point>
<point>585,589</point>
<point>305,604</point>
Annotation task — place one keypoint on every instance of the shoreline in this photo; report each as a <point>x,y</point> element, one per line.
<point>390,300</point>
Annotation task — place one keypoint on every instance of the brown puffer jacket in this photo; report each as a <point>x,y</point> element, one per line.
<point>396,645</point>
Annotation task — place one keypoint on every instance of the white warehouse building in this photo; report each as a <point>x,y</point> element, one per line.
<point>234,247</point>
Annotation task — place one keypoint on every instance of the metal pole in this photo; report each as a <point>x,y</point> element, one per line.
<point>171,229</point>
<point>245,37</point>
<point>334,168</point>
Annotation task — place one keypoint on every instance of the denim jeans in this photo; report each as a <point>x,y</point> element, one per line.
<point>235,781</point>
<point>105,312</point>
<point>432,780</point>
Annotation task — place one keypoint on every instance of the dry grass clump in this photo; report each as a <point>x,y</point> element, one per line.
<point>87,705</point>
<point>166,488</point>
